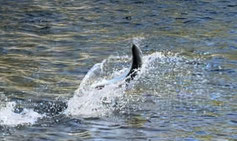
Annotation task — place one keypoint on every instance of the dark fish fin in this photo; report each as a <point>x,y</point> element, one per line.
<point>136,63</point>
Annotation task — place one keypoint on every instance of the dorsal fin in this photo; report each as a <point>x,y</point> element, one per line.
<point>136,62</point>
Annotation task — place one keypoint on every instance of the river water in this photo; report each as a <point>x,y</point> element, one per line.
<point>52,53</point>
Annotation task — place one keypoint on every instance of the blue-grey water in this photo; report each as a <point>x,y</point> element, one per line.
<point>186,89</point>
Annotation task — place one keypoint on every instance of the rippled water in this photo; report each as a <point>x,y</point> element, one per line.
<point>186,89</point>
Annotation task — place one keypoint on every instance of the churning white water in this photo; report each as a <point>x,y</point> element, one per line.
<point>10,118</point>
<point>117,96</point>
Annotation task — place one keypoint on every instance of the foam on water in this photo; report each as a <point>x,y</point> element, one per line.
<point>89,101</point>
<point>10,118</point>
<point>162,74</point>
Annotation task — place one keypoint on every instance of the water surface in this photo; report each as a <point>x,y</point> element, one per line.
<point>186,89</point>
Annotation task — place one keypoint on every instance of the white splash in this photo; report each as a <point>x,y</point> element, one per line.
<point>91,102</point>
<point>10,118</point>
<point>158,69</point>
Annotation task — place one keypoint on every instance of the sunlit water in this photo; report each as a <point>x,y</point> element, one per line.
<point>54,53</point>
